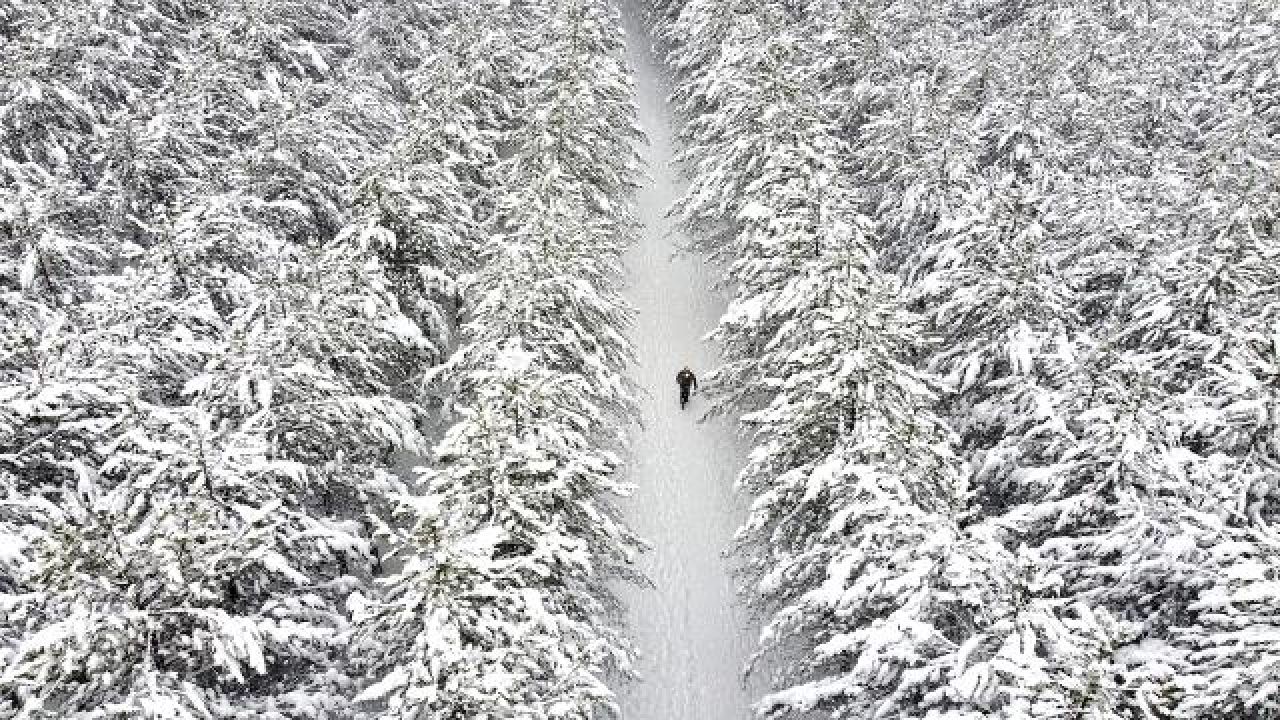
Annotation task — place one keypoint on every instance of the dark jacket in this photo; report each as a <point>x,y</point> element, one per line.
<point>686,379</point>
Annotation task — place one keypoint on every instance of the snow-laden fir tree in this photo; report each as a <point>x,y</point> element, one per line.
<point>1230,413</point>
<point>496,612</point>
<point>213,378</point>
<point>1079,198</point>
<point>499,606</point>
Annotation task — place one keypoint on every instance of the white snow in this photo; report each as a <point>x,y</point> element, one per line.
<point>690,632</point>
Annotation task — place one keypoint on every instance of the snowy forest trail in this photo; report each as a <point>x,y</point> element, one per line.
<point>690,632</point>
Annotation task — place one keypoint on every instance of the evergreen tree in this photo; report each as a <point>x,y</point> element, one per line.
<point>1076,197</point>
<point>500,607</point>
<point>213,372</point>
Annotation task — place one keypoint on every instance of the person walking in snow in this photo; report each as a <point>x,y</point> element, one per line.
<point>688,382</point>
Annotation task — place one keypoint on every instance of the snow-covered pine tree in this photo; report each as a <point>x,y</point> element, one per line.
<point>421,209</point>
<point>854,543</point>
<point>211,394</point>
<point>62,221</point>
<point>853,534</point>
<point>762,156</point>
<point>1055,447</point>
<point>1229,407</point>
<point>1116,215</point>
<point>1031,169</point>
<point>499,608</point>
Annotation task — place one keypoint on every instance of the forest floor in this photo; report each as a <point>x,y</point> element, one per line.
<point>691,632</point>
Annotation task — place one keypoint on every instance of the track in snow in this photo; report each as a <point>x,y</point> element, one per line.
<point>691,634</point>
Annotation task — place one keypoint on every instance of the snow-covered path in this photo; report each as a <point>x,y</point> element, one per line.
<point>689,630</point>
